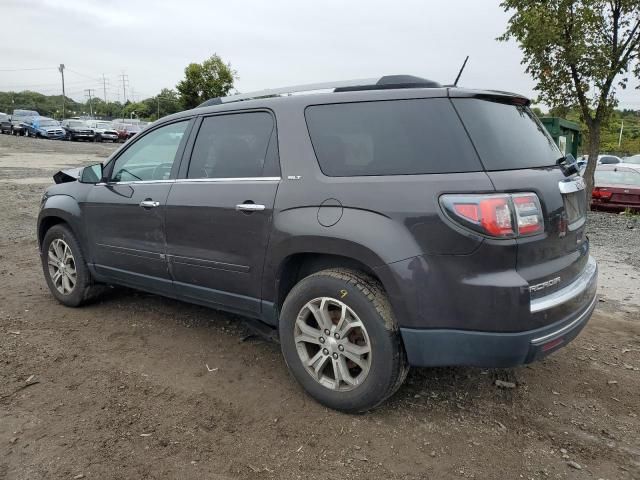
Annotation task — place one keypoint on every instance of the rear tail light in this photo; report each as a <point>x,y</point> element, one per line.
<point>496,215</point>
<point>601,193</point>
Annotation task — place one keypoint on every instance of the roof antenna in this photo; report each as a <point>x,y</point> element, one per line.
<point>455,84</point>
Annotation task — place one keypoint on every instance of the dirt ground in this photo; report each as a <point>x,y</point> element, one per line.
<point>137,386</point>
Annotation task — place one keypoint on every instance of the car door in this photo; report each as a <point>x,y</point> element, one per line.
<point>125,214</point>
<point>219,212</point>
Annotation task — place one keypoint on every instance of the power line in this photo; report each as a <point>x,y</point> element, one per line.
<point>26,69</point>
<point>83,74</point>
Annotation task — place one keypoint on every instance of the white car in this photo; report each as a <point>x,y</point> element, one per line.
<point>103,130</point>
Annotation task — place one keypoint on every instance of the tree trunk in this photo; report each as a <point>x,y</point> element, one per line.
<point>593,151</point>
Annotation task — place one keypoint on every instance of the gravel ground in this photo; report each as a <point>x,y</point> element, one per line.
<point>137,386</point>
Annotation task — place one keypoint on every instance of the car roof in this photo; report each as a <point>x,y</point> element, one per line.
<point>341,92</point>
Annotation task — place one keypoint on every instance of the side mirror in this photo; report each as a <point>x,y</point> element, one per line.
<point>91,174</point>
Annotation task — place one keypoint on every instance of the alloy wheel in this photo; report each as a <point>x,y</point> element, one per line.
<point>333,344</point>
<point>62,266</point>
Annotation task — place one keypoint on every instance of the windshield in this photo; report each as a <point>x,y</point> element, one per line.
<point>635,159</point>
<point>25,113</point>
<point>621,177</point>
<point>506,136</point>
<point>104,125</point>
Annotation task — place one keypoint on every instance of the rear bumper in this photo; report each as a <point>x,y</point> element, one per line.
<point>448,347</point>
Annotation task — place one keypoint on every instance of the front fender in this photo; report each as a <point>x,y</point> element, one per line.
<point>65,208</point>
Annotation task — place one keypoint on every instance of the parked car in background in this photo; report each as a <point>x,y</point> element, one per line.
<point>77,130</point>
<point>126,131</point>
<point>103,130</point>
<point>44,127</point>
<point>632,160</point>
<point>19,120</point>
<point>397,222</point>
<point>616,188</point>
<point>5,123</point>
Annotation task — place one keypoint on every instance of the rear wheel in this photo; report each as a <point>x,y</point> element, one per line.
<point>65,269</point>
<point>340,340</point>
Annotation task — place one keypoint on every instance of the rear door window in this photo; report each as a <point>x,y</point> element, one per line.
<point>507,137</point>
<point>235,145</point>
<point>396,137</point>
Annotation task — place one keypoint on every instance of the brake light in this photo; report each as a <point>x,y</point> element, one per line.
<point>601,193</point>
<point>496,215</point>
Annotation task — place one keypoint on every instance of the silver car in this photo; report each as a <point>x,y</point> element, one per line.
<point>103,130</point>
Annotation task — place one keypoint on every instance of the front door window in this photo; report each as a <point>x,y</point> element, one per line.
<point>151,157</point>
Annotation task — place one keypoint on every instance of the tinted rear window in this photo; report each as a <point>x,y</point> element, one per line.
<point>607,160</point>
<point>507,137</point>
<point>399,137</point>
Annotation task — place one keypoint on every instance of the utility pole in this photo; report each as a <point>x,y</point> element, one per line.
<point>620,137</point>
<point>89,90</point>
<point>104,88</point>
<point>61,70</point>
<point>125,81</point>
<point>158,98</point>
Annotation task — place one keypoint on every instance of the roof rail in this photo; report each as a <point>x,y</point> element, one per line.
<point>386,82</point>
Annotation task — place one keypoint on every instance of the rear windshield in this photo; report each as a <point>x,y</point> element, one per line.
<point>399,137</point>
<point>507,137</point>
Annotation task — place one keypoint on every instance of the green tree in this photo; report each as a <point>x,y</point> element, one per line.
<point>165,103</point>
<point>578,52</point>
<point>209,79</point>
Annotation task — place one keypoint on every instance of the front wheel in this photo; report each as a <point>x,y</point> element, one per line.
<point>65,269</point>
<point>340,340</point>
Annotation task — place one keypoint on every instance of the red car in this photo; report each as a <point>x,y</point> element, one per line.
<point>616,188</point>
<point>126,131</point>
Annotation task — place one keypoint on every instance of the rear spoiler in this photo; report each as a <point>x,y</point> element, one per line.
<point>490,95</point>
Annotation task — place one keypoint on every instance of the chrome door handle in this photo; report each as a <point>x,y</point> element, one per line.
<point>249,207</point>
<point>149,204</point>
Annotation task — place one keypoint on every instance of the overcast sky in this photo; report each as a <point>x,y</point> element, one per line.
<point>270,43</point>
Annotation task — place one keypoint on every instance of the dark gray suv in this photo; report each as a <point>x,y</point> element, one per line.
<point>375,224</point>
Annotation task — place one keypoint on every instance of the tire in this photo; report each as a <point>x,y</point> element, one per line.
<point>84,288</point>
<point>362,300</point>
